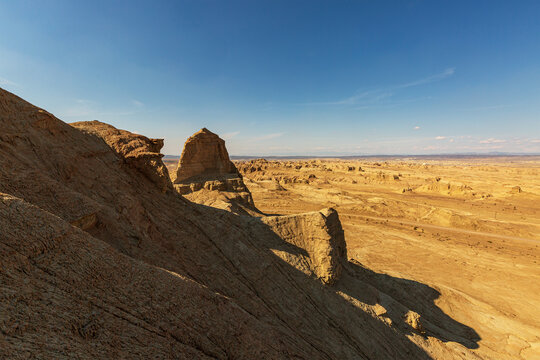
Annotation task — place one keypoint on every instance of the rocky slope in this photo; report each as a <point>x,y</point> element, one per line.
<point>100,259</point>
<point>65,294</point>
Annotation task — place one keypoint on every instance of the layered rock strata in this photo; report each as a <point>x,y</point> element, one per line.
<point>204,154</point>
<point>321,236</point>
<point>206,175</point>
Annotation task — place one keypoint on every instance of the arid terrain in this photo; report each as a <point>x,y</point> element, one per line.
<point>469,227</point>
<point>108,252</point>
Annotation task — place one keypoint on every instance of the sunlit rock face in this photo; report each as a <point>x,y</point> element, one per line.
<point>204,154</point>
<point>206,175</point>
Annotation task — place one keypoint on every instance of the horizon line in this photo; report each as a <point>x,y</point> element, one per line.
<point>492,154</point>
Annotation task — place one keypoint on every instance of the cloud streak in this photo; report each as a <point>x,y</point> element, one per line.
<point>137,103</point>
<point>433,78</point>
<point>267,137</point>
<point>376,95</point>
<point>6,82</point>
<point>229,135</point>
<point>84,109</point>
<point>492,141</point>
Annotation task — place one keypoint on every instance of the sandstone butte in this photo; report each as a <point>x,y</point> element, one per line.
<point>206,175</point>
<point>101,258</point>
<point>204,153</point>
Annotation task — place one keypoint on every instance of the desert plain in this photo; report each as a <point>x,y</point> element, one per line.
<point>468,227</point>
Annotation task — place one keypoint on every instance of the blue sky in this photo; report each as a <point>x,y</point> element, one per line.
<point>286,77</point>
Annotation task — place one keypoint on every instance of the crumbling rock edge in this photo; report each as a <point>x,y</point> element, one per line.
<point>136,150</point>
<point>318,233</point>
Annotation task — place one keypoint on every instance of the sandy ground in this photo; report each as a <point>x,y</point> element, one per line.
<point>467,227</point>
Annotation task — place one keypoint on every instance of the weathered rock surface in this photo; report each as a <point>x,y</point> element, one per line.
<point>321,236</point>
<point>65,294</point>
<point>136,150</point>
<point>204,154</point>
<point>206,175</point>
<point>156,276</point>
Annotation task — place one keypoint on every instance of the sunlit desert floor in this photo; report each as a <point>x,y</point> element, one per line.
<point>467,227</point>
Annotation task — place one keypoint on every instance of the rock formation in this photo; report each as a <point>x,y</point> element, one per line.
<point>99,260</point>
<point>204,154</point>
<point>320,235</point>
<point>207,176</point>
<point>136,150</point>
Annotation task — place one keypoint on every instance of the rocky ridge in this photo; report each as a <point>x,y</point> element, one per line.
<point>136,150</point>
<point>99,259</point>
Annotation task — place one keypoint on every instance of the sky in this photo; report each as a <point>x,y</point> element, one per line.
<point>274,77</point>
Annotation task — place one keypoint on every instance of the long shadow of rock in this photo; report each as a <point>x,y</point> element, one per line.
<point>408,304</point>
<point>321,318</point>
<point>340,320</point>
<point>398,297</point>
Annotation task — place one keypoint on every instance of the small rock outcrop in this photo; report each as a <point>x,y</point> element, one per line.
<point>516,190</point>
<point>322,238</point>
<point>138,151</point>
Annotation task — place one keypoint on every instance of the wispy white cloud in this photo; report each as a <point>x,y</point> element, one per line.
<point>267,136</point>
<point>376,95</point>
<point>229,135</point>
<point>363,98</point>
<point>81,108</point>
<point>85,109</point>
<point>488,107</point>
<point>84,101</point>
<point>6,82</point>
<point>268,106</point>
<point>137,103</point>
<point>281,148</point>
<point>370,96</point>
<point>437,77</point>
<point>351,100</point>
<point>440,137</point>
<point>416,128</point>
<point>492,141</point>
